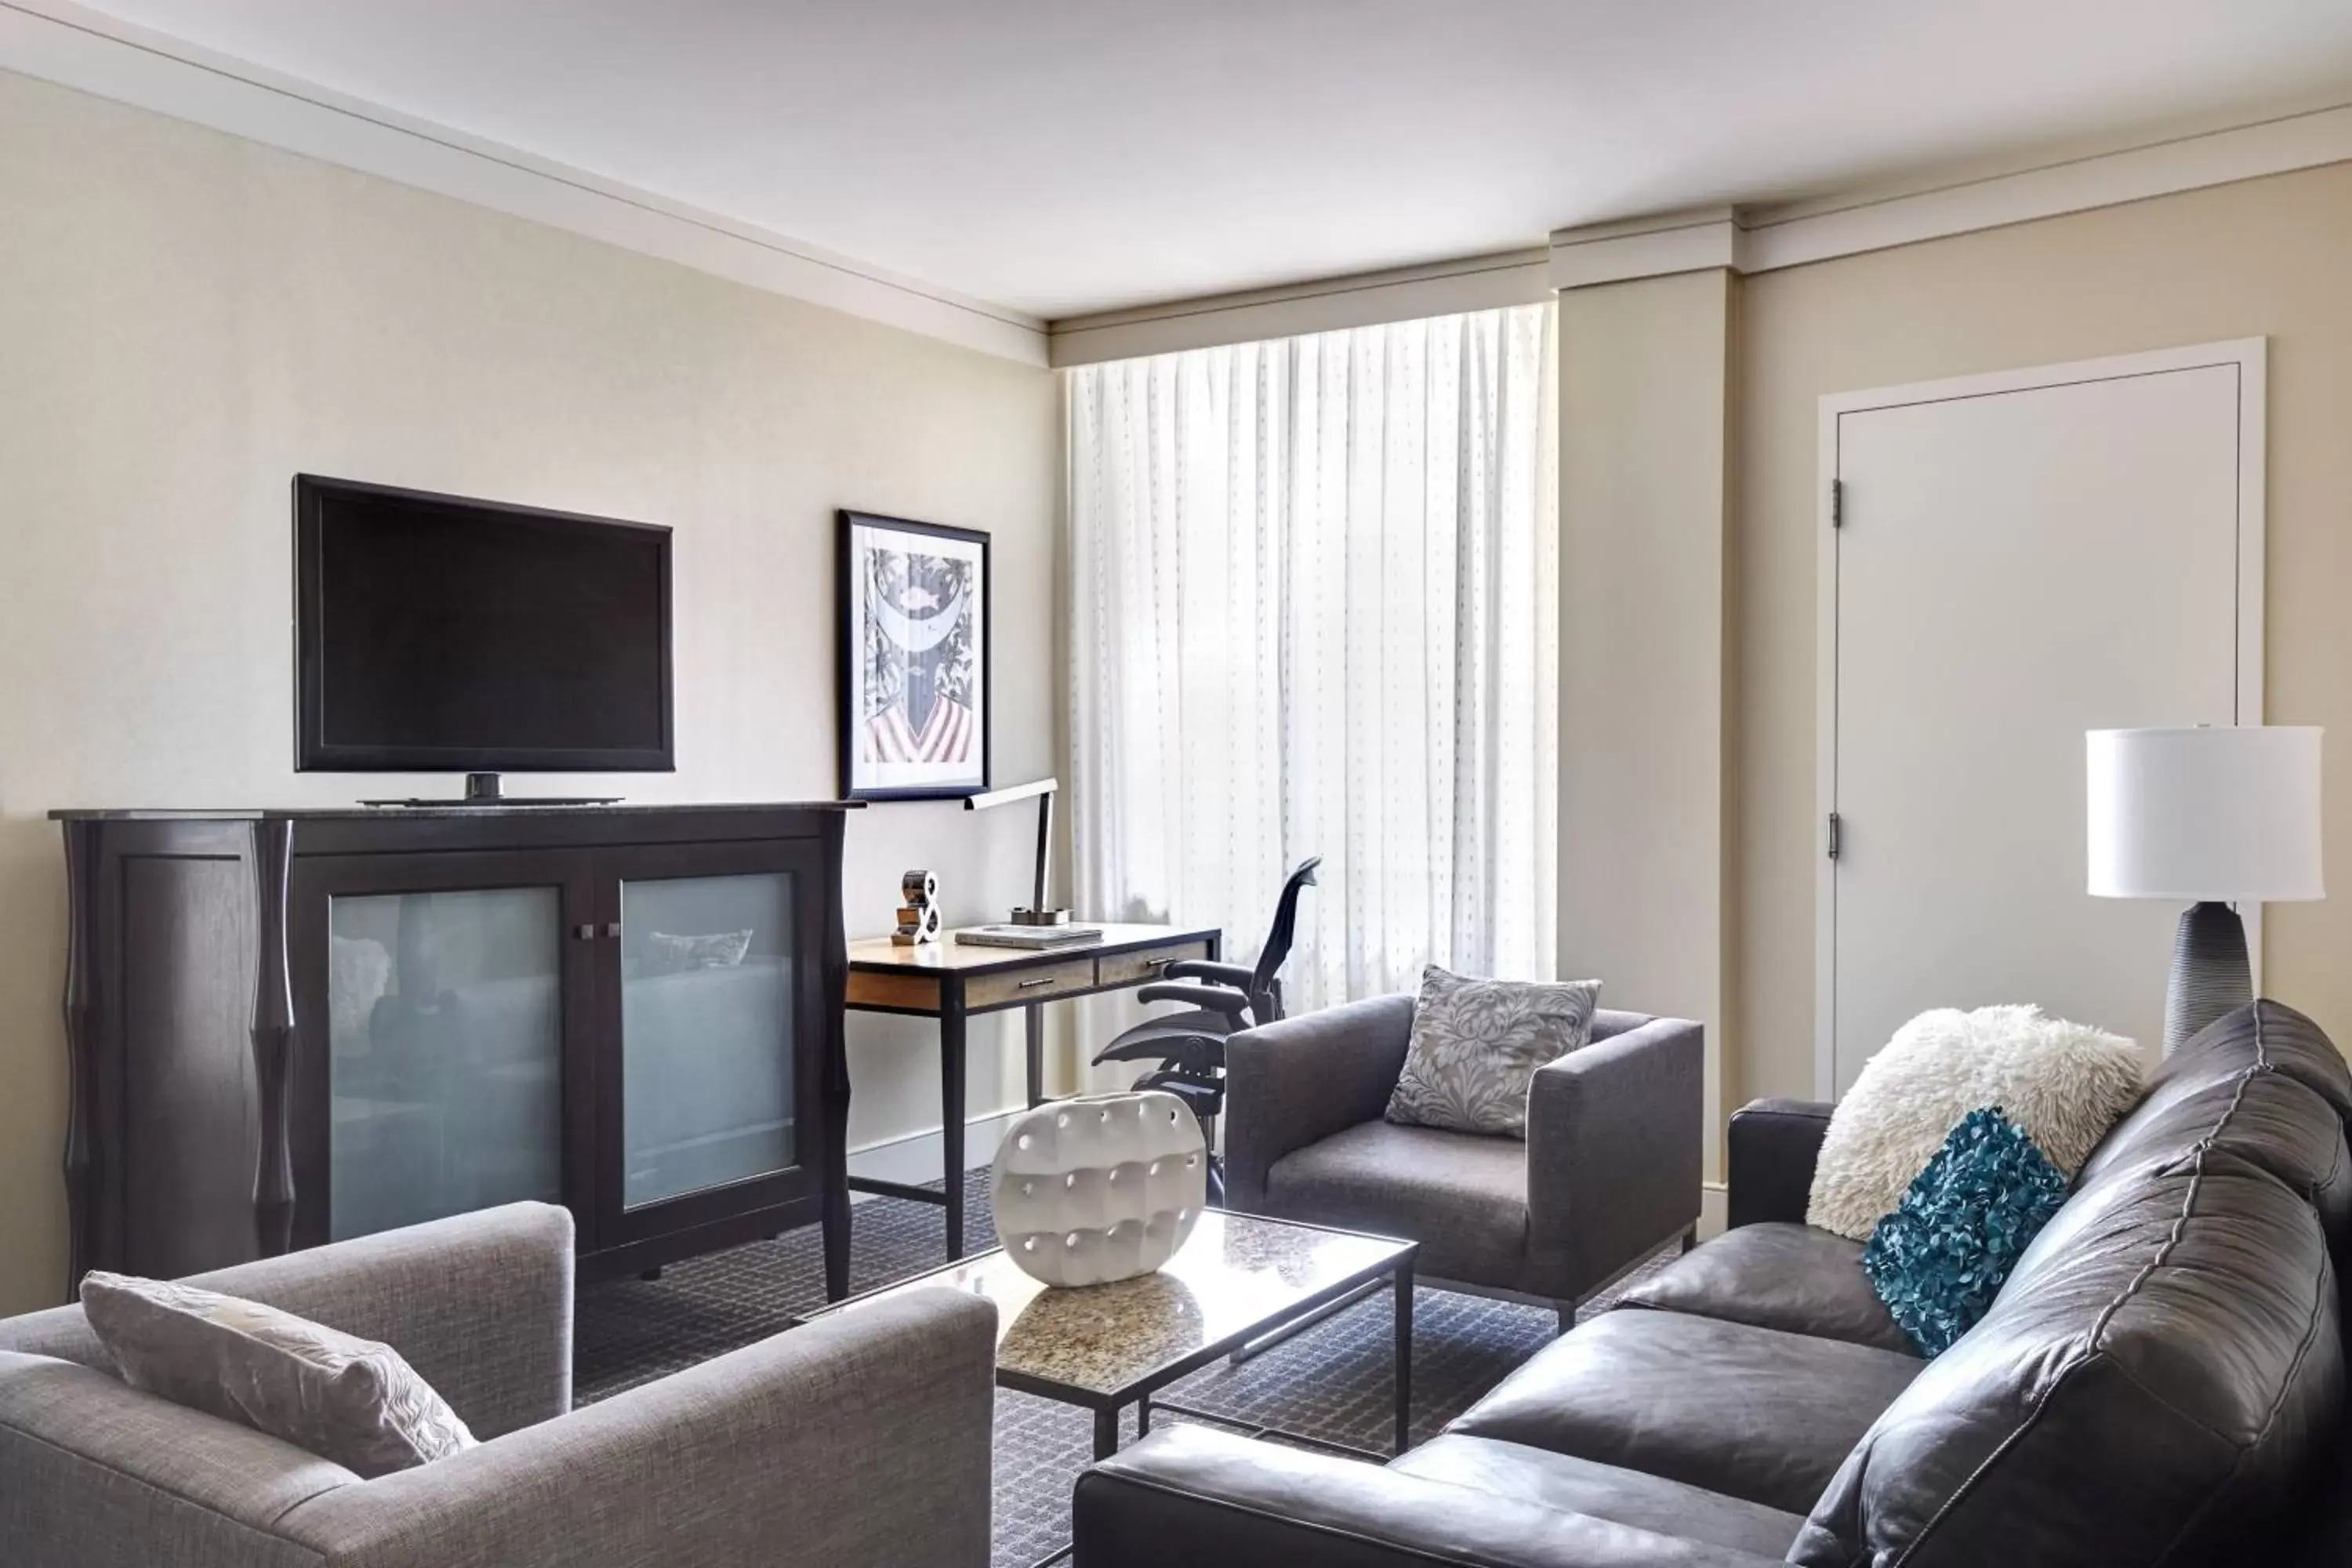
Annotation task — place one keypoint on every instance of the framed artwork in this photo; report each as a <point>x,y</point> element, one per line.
<point>914,659</point>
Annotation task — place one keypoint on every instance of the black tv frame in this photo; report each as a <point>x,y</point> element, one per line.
<point>313,753</point>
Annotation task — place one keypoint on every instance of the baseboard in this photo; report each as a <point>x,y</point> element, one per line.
<point>915,1157</point>
<point>1714,1209</point>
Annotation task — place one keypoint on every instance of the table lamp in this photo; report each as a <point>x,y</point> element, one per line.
<point>1042,791</point>
<point>2205,815</point>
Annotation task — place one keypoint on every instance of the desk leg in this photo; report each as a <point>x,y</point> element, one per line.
<point>1034,1020</point>
<point>951,1082</point>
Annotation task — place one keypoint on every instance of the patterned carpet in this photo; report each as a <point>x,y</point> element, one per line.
<point>1331,1382</point>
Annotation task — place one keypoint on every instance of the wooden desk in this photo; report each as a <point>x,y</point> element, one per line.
<point>949,981</point>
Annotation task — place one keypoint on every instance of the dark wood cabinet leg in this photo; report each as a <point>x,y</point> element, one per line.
<point>273,1039</point>
<point>1034,1022</point>
<point>952,1089</point>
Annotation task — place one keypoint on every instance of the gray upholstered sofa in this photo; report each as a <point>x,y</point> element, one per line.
<point>2161,1381</point>
<point>852,1443</point>
<point>1609,1172</point>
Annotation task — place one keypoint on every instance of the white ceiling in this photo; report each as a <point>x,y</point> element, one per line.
<point>1065,157</point>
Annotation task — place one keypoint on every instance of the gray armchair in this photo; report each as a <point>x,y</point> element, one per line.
<point>1610,1171</point>
<point>798,1450</point>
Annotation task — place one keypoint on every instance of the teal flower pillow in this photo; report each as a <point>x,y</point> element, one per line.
<point>1939,1260</point>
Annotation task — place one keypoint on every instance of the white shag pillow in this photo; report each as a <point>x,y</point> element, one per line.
<point>2062,1084</point>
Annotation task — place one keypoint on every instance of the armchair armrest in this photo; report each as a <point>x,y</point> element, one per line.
<point>1616,1140</point>
<point>1186,1496</point>
<point>479,1304</point>
<point>860,1441</point>
<point>1240,976</point>
<point>1772,1147</point>
<point>1299,1081</point>
<point>1216,998</point>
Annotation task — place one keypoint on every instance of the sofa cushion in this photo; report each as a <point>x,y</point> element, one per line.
<point>2156,1378</point>
<point>1752,1413</point>
<point>2267,1034</point>
<point>1779,1275</point>
<point>1571,1485</point>
<point>1463,1197</point>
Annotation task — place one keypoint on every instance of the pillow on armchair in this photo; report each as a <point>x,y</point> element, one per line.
<point>1476,1046</point>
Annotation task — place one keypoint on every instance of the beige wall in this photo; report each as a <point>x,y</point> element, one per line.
<point>186,320</point>
<point>1643,465</point>
<point>2265,257</point>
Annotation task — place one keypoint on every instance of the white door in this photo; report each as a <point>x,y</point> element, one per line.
<point>2009,562</point>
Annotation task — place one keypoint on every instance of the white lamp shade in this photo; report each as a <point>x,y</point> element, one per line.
<point>2221,813</point>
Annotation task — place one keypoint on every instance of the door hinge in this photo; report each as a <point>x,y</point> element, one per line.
<point>1836,825</point>
<point>1837,503</point>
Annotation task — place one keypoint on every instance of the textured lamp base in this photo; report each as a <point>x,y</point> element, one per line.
<point>2210,974</point>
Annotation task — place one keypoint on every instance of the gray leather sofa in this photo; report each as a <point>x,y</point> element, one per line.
<point>856,1442</point>
<point>2161,1381</point>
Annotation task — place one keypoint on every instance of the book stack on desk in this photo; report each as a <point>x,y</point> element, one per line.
<point>1029,936</point>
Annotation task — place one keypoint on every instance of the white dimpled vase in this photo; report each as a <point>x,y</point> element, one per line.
<point>1099,1188</point>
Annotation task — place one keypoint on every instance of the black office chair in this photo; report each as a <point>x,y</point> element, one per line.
<point>1190,1045</point>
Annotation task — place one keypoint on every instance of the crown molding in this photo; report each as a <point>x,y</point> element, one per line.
<point>1330,305</point>
<point>68,44</point>
<point>1762,240</point>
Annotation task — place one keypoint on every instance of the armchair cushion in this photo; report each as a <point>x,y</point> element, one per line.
<point>344,1398</point>
<point>1477,1044</point>
<point>1463,1197</point>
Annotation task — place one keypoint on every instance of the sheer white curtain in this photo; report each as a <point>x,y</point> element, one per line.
<point>1314,611</point>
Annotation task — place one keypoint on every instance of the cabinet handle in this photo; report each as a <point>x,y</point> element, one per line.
<point>1040,980</point>
<point>613,930</point>
<point>585,934</point>
<point>1156,963</point>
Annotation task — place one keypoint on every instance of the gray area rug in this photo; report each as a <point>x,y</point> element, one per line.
<point>1333,1382</point>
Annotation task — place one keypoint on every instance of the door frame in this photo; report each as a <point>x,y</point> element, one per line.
<point>2250,356</point>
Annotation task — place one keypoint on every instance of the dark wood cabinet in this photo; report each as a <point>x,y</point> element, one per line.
<point>292,1027</point>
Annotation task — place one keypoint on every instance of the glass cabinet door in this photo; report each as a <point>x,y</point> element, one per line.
<point>709,1014</point>
<point>445,1034</point>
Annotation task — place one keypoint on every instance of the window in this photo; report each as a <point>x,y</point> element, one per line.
<point>1314,608</point>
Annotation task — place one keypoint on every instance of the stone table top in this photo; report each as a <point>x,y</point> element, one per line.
<point>1235,1275</point>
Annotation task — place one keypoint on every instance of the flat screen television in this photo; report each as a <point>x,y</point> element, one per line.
<point>437,633</point>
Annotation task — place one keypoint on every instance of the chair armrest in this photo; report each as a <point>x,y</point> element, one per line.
<point>1297,1081</point>
<point>1186,1496</point>
<point>1217,998</point>
<point>1240,976</point>
<point>857,1441</point>
<point>1616,1140</point>
<point>479,1304</point>
<point>1771,1150</point>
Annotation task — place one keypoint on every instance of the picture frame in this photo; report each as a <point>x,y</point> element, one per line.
<point>915,678</point>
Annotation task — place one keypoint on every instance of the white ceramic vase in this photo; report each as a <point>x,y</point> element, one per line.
<point>1099,1188</point>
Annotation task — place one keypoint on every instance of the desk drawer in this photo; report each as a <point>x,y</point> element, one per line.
<point>1029,984</point>
<point>1144,964</point>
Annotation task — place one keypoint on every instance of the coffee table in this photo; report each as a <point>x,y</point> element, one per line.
<point>1238,1281</point>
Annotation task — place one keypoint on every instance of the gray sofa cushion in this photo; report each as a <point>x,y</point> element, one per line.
<point>1463,1197</point>
<point>2151,1386</point>
<point>1571,1485</point>
<point>1793,1278</point>
<point>2250,1120</point>
<point>1751,1412</point>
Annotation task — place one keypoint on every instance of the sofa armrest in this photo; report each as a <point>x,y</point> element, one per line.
<point>1297,1081</point>
<point>479,1304</point>
<point>1616,1136</point>
<point>1773,1145</point>
<point>857,1441</point>
<point>1187,1496</point>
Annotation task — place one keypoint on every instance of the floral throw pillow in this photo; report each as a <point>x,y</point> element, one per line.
<point>1939,1260</point>
<point>1477,1045</point>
